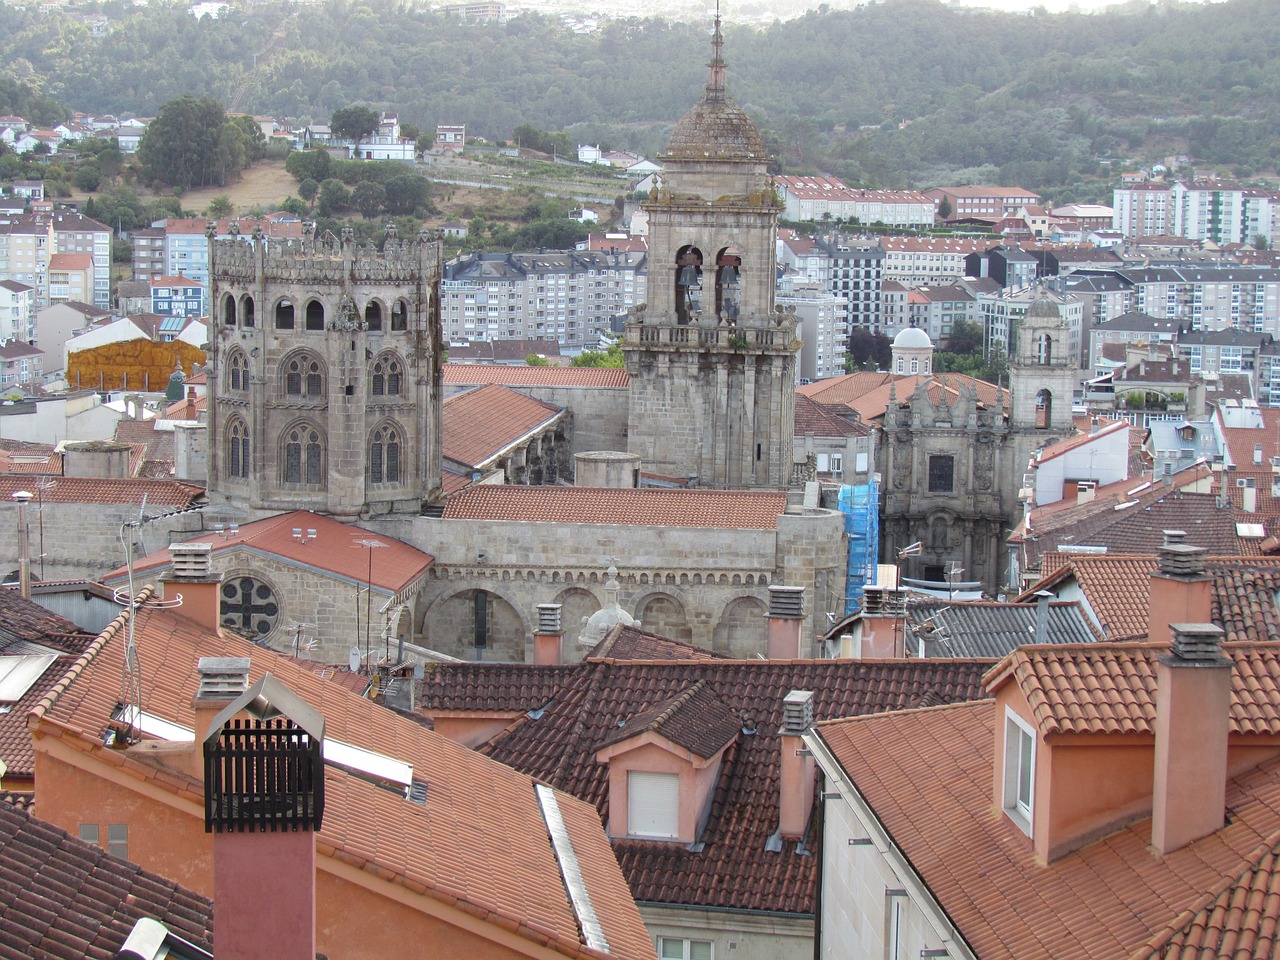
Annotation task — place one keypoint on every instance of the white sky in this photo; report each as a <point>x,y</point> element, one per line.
<point>1051,5</point>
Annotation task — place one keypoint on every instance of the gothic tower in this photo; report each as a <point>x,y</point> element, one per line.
<point>1041,374</point>
<point>325,374</point>
<point>712,363</point>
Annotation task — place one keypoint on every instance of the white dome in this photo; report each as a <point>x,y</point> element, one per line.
<point>913,338</point>
<point>608,616</point>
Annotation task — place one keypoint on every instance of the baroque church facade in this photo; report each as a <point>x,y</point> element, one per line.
<point>326,395</point>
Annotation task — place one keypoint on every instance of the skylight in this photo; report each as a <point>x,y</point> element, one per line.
<point>17,674</point>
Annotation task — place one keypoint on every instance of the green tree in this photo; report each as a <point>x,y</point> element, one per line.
<point>254,139</point>
<point>368,198</point>
<point>296,207</point>
<point>308,189</point>
<point>334,196</point>
<point>944,209</point>
<point>536,360</point>
<point>219,207</point>
<point>354,123</point>
<point>88,178</point>
<point>309,165</point>
<point>610,357</point>
<point>965,337</point>
<point>407,193</point>
<point>185,145</point>
<point>869,351</point>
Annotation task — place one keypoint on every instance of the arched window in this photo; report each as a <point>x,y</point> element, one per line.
<point>1044,410</point>
<point>246,311</point>
<point>238,449</point>
<point>688,280</point>
<point>303,456</point>
<point>399,315</point>
<point>303,377</point>
<point>284,314</point>
<point>237,371</point>
<point>384,455</point>
<point>1044,350</point>
<point>728,284</point>
<point>901,366</point>
<point>315,315</point>
<point>229,310</point>
<point>386,377</point>
<point>915,365</point>
<point>373,315</point>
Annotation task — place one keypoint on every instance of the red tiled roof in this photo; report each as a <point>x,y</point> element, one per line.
<point>1102,901</point>
<point>446,849</point>
<point>1117,589</point>
<point>1241,441</point>
<point>481,423</point>
<point>1111,687</point>
<point>65,899</point>
<point>158,493</point>
<point>695,719</point>
<point>757,509</point>
<point>335,550</point>
<point>813,418</point>
<point>629,643</point>
<point>459,374</point>
<point>869,393</point>
<point>732,869</point>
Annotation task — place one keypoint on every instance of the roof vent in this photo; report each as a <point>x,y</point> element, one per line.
<point>797,712</point>
<point>786,602</point>
<point>549,618</point>
<point>1198,642</point>
<point>1177,558</point>
<point>222,678</point>
<point>190,561</point>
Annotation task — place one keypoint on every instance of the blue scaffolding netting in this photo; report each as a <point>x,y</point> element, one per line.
<point>861,508</point>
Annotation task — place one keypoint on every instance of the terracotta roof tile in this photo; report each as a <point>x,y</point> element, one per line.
<point>629,643</point>
<point>159,493</point>
<point>447,848</point>
<point>757,509</point>
<point>1098,903</point>
<point>813,418</point>
<point>473,374</point>
<point>732,869</point>
<point>481,423</point>
<point>63,899</point>
<point>1111,687</point>
<point>335,550</point>
<point>695,719</point>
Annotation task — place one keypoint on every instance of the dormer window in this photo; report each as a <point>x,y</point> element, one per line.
<point>1019,770</point>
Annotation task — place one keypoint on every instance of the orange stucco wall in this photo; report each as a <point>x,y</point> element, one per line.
<point>696,785</point>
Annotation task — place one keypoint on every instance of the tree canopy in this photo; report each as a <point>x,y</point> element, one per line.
<point>191,143</point>
<point>354,123</point>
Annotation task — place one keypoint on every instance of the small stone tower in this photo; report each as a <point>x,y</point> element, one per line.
<point>712,363</point>
<point>325,374</point>
<point>1041,374</point>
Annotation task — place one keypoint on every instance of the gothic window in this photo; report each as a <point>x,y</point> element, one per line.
<point>303,377</point>
<point>386,377</point>
<point>284,315</point>
<point>942,472</point>
<point>384,455</point>
<point>315,315</point>
<point>373,315</point>
<point>249,605</point>
<point>303,456</point>
<point>399,315</point>
<point>238,449</point>
<point>229,310</point>
<point>246,311</point>
<point>237,371</point>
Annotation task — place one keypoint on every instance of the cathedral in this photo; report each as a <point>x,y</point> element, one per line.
<point>326,396</point>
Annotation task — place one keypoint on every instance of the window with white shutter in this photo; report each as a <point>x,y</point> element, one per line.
<point>653,805</point>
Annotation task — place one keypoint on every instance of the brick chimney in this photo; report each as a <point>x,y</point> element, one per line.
<point>191,577</point>
<point>786,618</point>
<point>222,679</point>
<point>796,771</point>
<point>1193,714</point>
<point>547,641</point>
<point>1181,590</point>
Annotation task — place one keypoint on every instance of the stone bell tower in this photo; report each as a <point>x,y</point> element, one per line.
<point>711,361</point>
<point>1042,374</point>
<point>325,374</point>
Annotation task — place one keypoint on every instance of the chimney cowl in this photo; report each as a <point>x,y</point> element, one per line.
<point>785,602</point>
<point>190,561</point>
<point>1177,558</point>
<point>549,618</point>
<point>1197,643</point>
<point>797,712</point>
<point>222,678</point>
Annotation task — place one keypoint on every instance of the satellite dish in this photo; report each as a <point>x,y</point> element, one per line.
<point>353,660</point>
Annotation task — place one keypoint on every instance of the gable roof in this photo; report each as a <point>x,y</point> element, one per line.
<point>484,422</point>
<point>729,867</point>
<point>64,899</point>
<point>758,509</point>
<point>984,628</point>
<point>815,419</point>
<point>695,719</point>
<point>1101,901</point>
<point>445,849</point>
<point>158,493</point>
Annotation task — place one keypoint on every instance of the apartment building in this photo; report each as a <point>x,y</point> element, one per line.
<point>982,202</point>
<point>1210,298</point>
<point>1142,209</point>
<point>855,270</point>
<point>177,297</point>
<point>912,261</point>
<point>17,311</point>
<point>1222,212</point>
<point>936,308</point>
<point>28,242</point>
<point>567,296</point>
<point>829,198</point>
<point>1001,314</point>
<point>180,246</point>
<point>823,326</point>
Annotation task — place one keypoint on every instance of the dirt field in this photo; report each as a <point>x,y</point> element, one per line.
<point>264,184</point>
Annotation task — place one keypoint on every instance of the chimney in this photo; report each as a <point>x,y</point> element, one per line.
<point>547,641</point>
<point>22,498</point>
<point>1257,454</point>
<point>191,580</point>
<point>264,804</point>
<point>222,679</point>
<point>1249,498</point>
<point>796,774</point>
<point>786,617</point>
<point>1181,591</point>
<point>1042,615</point>
<point>1193,718</point>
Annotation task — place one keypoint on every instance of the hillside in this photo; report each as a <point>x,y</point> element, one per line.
<point>906,92</point>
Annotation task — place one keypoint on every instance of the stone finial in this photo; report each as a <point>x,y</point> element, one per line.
<point>233,228</point>
<point>211,229</point>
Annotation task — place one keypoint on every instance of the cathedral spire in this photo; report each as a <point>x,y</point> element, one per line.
<point>715,89</point>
